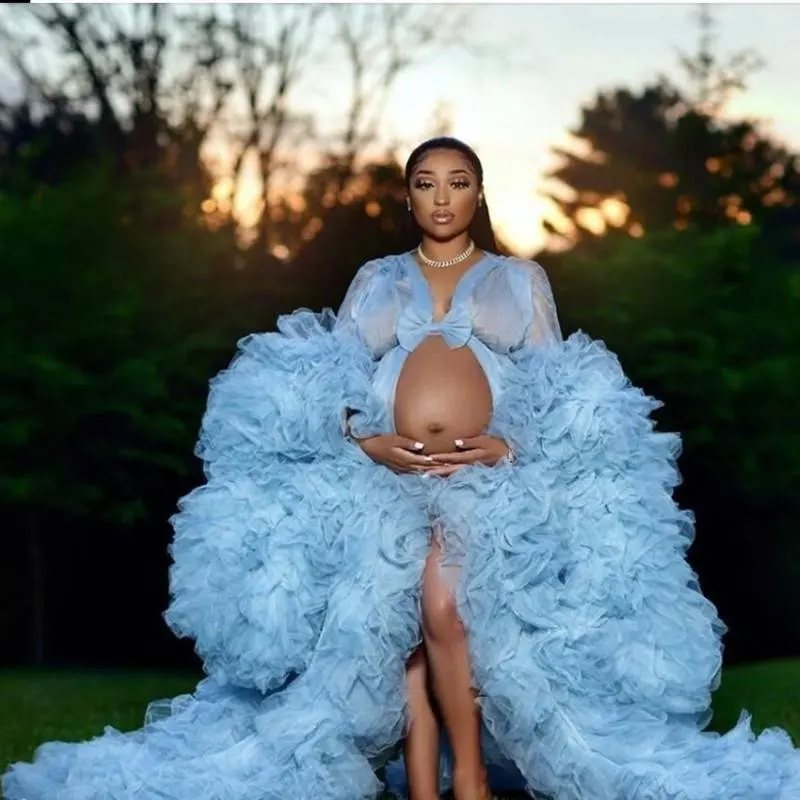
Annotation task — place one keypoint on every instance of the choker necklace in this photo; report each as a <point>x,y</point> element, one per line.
<point>448,262</point>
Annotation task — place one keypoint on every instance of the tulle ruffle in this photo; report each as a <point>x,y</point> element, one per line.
<point>257,548</point>
<point>297,571</point>
<point>321,628</point>
<point>284,398</point>
<point>594,649</point>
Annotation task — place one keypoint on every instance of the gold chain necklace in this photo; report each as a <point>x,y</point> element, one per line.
<point>447,262</point>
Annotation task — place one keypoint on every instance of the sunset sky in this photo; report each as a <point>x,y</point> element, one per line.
<point>562,55</point>
<point>566,53</point>
<point>556,57</point>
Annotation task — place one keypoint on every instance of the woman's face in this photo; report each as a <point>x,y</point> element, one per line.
<point>444,193</point>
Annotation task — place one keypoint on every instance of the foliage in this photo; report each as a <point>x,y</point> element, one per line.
<point>710,323</point>
<point>114,309</point>
<point>648,160</point>
<point>666,154</point>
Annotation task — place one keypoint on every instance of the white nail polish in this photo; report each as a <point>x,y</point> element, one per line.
<point>418,445</point>
<point>459,442</point>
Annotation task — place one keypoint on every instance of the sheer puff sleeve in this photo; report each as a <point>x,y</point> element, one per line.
<point>355,299</point>
<point>286,394</point>
<point>544,328</point>
<point>568,403</point>
<point>517,417</point>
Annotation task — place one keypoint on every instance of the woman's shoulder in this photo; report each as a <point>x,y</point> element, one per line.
<point>522,268</point>
<point>519,263</point>
<point>381,265</point>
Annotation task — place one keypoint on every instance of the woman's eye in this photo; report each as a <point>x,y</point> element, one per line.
<point>460,184</point>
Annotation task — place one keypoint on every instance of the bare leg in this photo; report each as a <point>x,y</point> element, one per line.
<point>421,743</point>
<point>448,656</point>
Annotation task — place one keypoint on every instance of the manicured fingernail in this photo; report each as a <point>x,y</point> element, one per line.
<point>459,442</point>
<point>428,458</point>
<point>418,445</point>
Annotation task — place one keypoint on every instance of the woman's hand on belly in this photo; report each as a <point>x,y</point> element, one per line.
<point>397,453</point>
<point>485,449</point>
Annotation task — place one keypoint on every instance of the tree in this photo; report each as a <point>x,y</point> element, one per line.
<point>712,82</point>
<point>109,98</point>
<point>265,50</point>
<point>221,86</point>
<point>375,45</point>
<point>112,325</point>
<point>662,156</point>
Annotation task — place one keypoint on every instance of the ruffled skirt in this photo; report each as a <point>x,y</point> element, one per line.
<point>297,571</point>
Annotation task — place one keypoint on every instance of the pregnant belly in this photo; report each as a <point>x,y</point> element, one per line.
<point>442,394</point>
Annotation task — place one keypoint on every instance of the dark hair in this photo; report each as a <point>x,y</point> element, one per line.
<point>480,229</point>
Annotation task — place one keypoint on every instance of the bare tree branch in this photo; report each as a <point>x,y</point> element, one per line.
<point>180,77</point>
<point>271,48</point>
<point>380,43</point>
<point>714,81</point>
<point>81,39</point>
<point>15,46</point>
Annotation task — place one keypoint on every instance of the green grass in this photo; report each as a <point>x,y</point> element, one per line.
<point>770,691</point>
<point>40,706</point>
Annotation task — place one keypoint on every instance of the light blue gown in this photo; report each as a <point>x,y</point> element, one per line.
<point>297,572</point>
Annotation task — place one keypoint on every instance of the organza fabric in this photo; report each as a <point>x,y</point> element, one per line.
<point>297,570</point>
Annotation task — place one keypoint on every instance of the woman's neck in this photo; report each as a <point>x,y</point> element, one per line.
<point>441,251</point>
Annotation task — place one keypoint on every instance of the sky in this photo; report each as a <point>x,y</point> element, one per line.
<point>554,59</point>
<point>561,55</point>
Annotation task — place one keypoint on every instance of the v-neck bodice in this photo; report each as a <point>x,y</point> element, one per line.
<point>417,320</point>
<point>425,293</point>
<point>499,305</point>
<point>506,304</point>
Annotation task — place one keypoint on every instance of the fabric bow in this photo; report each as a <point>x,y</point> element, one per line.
<point>413,328</point>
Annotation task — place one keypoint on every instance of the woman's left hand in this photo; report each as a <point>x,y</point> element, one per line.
<point>486,450</point>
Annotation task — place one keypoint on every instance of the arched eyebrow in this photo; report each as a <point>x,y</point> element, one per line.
<point>457,171</point>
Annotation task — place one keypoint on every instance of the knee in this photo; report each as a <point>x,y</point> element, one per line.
<point>440,619</point>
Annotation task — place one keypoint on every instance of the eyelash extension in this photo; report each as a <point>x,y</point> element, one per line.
<point>458,184</point>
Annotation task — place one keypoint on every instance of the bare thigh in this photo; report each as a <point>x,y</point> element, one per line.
<point>439,613</point>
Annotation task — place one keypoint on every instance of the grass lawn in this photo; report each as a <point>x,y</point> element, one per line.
<point>74,705</point>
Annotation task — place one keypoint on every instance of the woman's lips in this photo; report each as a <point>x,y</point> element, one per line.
<point>442,217</point>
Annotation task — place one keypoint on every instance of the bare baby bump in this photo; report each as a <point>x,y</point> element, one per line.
<point>442,394</point>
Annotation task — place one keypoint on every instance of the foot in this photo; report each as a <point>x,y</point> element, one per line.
<point>471,784</point>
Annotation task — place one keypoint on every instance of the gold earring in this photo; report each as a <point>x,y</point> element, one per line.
<point>480,200</point>
<point>408,203</point>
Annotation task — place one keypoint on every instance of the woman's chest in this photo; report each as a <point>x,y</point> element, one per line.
<point>404,312</point>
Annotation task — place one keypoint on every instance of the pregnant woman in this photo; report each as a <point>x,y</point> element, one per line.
<point>442,404</point>
<point>429,507</point>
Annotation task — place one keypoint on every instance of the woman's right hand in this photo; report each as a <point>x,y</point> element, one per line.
<point>396,453</point>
